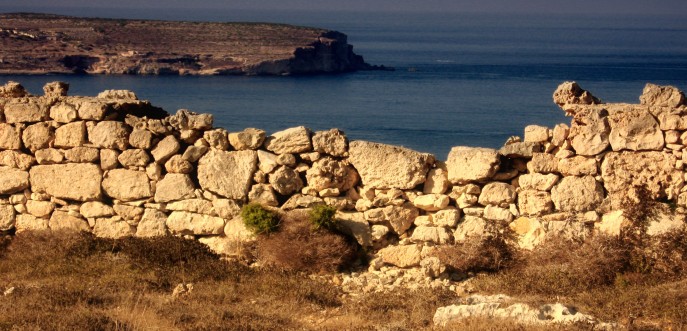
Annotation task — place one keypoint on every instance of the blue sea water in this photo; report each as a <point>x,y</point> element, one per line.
<point>461,79</point>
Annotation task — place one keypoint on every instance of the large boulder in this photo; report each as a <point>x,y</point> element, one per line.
<point>228,174</point>
<point>577,194</point>
<point>470,164</point>
<point>289,141</point>
<point>13,180</point>
<point>662,96</point>
<point>571,93</point>
<point>127,185</point>
<point>654,171</point>
<point>589,134</point>
<point>387,166</point>
<point>38,136</point>
<point>26,110</point>
<point>71,135</point>
<point>634,128</point>
<point>72,181</point>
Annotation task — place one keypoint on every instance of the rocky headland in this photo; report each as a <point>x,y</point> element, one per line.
<point>42,44</point>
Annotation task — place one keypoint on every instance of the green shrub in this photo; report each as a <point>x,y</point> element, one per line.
<point>322,216</point>
<point>258,219</point>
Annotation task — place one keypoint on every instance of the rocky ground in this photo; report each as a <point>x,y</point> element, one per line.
<point>38,43</point>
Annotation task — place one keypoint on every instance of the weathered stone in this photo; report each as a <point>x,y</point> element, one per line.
<point>498,194</point>
<point>268,161</point>
<point>401,256</point>
<point>73,181</point>
<point>13,180</point>
<point>287,160</point>
<point>113,227</point>
<point>181,222</point>
<point>653,170</point>
<point>437,181</point>
<point>60,220</point>
<point>543,163</point>
<point>249,138</point>
<point>217,138</point>
<point>354,224</point>
<point>71,135</point>
<point>521,149</point>
<point>495,213</point>
<point>176,164</point>
<point>572,93</point>
<point>82,154</point>
<point>194,153</point>
<point>285,181</point>
<point>330,173</point>
<point>90,108</point>
<point>93,209</point>
<point>301,201</point>
<point>263,194</point>
<point>188,120</point>
<point>22,111</point>
<point>7,217</point>
<point>468,164</point>
<point>165,149</point>
<point>49,156</point>
<point>108,159</point>
<point>133,158</point>
<point>127,185</point>
<point>16,159</point>
<point>662,96</point>
<point>39,208</point>
<point>578,166</point>
<point>198,206</point>
<point>142,139</point>
<point>560,134</point>
<point>25,222</point>
<point>577,194</point>
<point>387,166</point>
<point>589,134</point>
<point>446,218</point>
<point>226,208</point>
<point>536,181</point>
<point>379,231</point>
<point>612,223</point>
<point>55,89</point>
<point>400,217</point>
<point>530,232</point>
<point>332,142</point>
<point>10,136</point>
<point>38,136</point>
<point>532,202</point>
<point>63,113</point>
<point>228,174</point>
<point>536,134</point>
<point>431,202</point>
<point>110,134</point>
<point>174,187</point>
<point>470,227</point>
<point>431,234</point>
<point>12,89</point>
<point>634,128</point>
<point>292,140</point>
<point>152,224</point>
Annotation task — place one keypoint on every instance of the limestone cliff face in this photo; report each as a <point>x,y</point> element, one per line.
<point>35,43</point>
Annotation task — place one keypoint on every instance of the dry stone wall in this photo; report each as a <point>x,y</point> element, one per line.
<point>117,166</point>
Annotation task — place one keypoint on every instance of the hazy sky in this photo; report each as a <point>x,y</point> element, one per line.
<point>673,7</point>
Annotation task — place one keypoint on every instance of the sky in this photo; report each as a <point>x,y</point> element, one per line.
<point>653,7</point>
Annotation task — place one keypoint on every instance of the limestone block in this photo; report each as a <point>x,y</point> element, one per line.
<point>127,212</point>
<point>187,120</point>
<point>198,206</point>
<point>379,231</point>
<point>330,173</point>
<point>141,139</point>
<point>536,134</point>
<point>572,93</point>
<point>612,223</point>
<point>387,166</point>
<point>217,138</point>
<point>431,234</point>
<point>194,153</point>
<point>470,227</point>
<point>49,156</point>
<point>38,136</point>
<point>249,138</point>
<point>63,113</point>
<point>176,164</point>
<point>437,181</point>
<point>653,170</point>
<point>495,213</point>
<point>181,222</point>
<point>521,149</point>
<point>431,202</point>
<point>400,217</point>
<point>39,208</point>
<point>332,142</point>
<point>133,158</point>
<point>7,217</point>
<point>113,227</point>
<point>663,96</point>
<point>13,180</point>
<point>10,137</point>
<point>537,181</point>
<point>91,109</point>
<point>108,159</point>
<point>70,135</point>
<point>577,194</point>
<point>165,149</point>
<point>531,202</point>
<point>26,111</point>
<point>110,134</point>
<point>470,164</point>
<point>578,166</point>
<point>152,224</point>
<point>292,140</point>
<point>285,181</point>
<point>82,154</point>
<point>634,128</point>
<point>268,161</point>
<point>60,220</point>
<point>560,134</point>
<point>354,224</point>
<point>263,194</point>
<point>226,208</point>
<point>228,174</point>
<point>24,222</point>
<point>95,209</point>
<point>530,232</point>
<point>401,256</point>
<point>127,185</point>
<point>498,194</point>
<point>174,187</point>
<point>72,181</point>
<point>446,218</point>
<point>589,134</point>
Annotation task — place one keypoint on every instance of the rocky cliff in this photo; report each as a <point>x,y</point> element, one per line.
<point>117,166</point>
<point>37,43</point>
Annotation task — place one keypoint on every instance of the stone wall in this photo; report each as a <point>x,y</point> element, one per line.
<point>117,166</point>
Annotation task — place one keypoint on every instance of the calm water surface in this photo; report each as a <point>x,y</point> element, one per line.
<point>460,80</point>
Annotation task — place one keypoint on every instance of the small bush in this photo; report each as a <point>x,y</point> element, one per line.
<point>322,216</point>
<point>485,254</point>
<point>258,219</point>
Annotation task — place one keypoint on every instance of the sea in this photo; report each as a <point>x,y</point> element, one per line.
<point>461,79</point>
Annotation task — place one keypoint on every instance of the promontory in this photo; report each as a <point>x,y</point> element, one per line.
<point>48,44</point>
